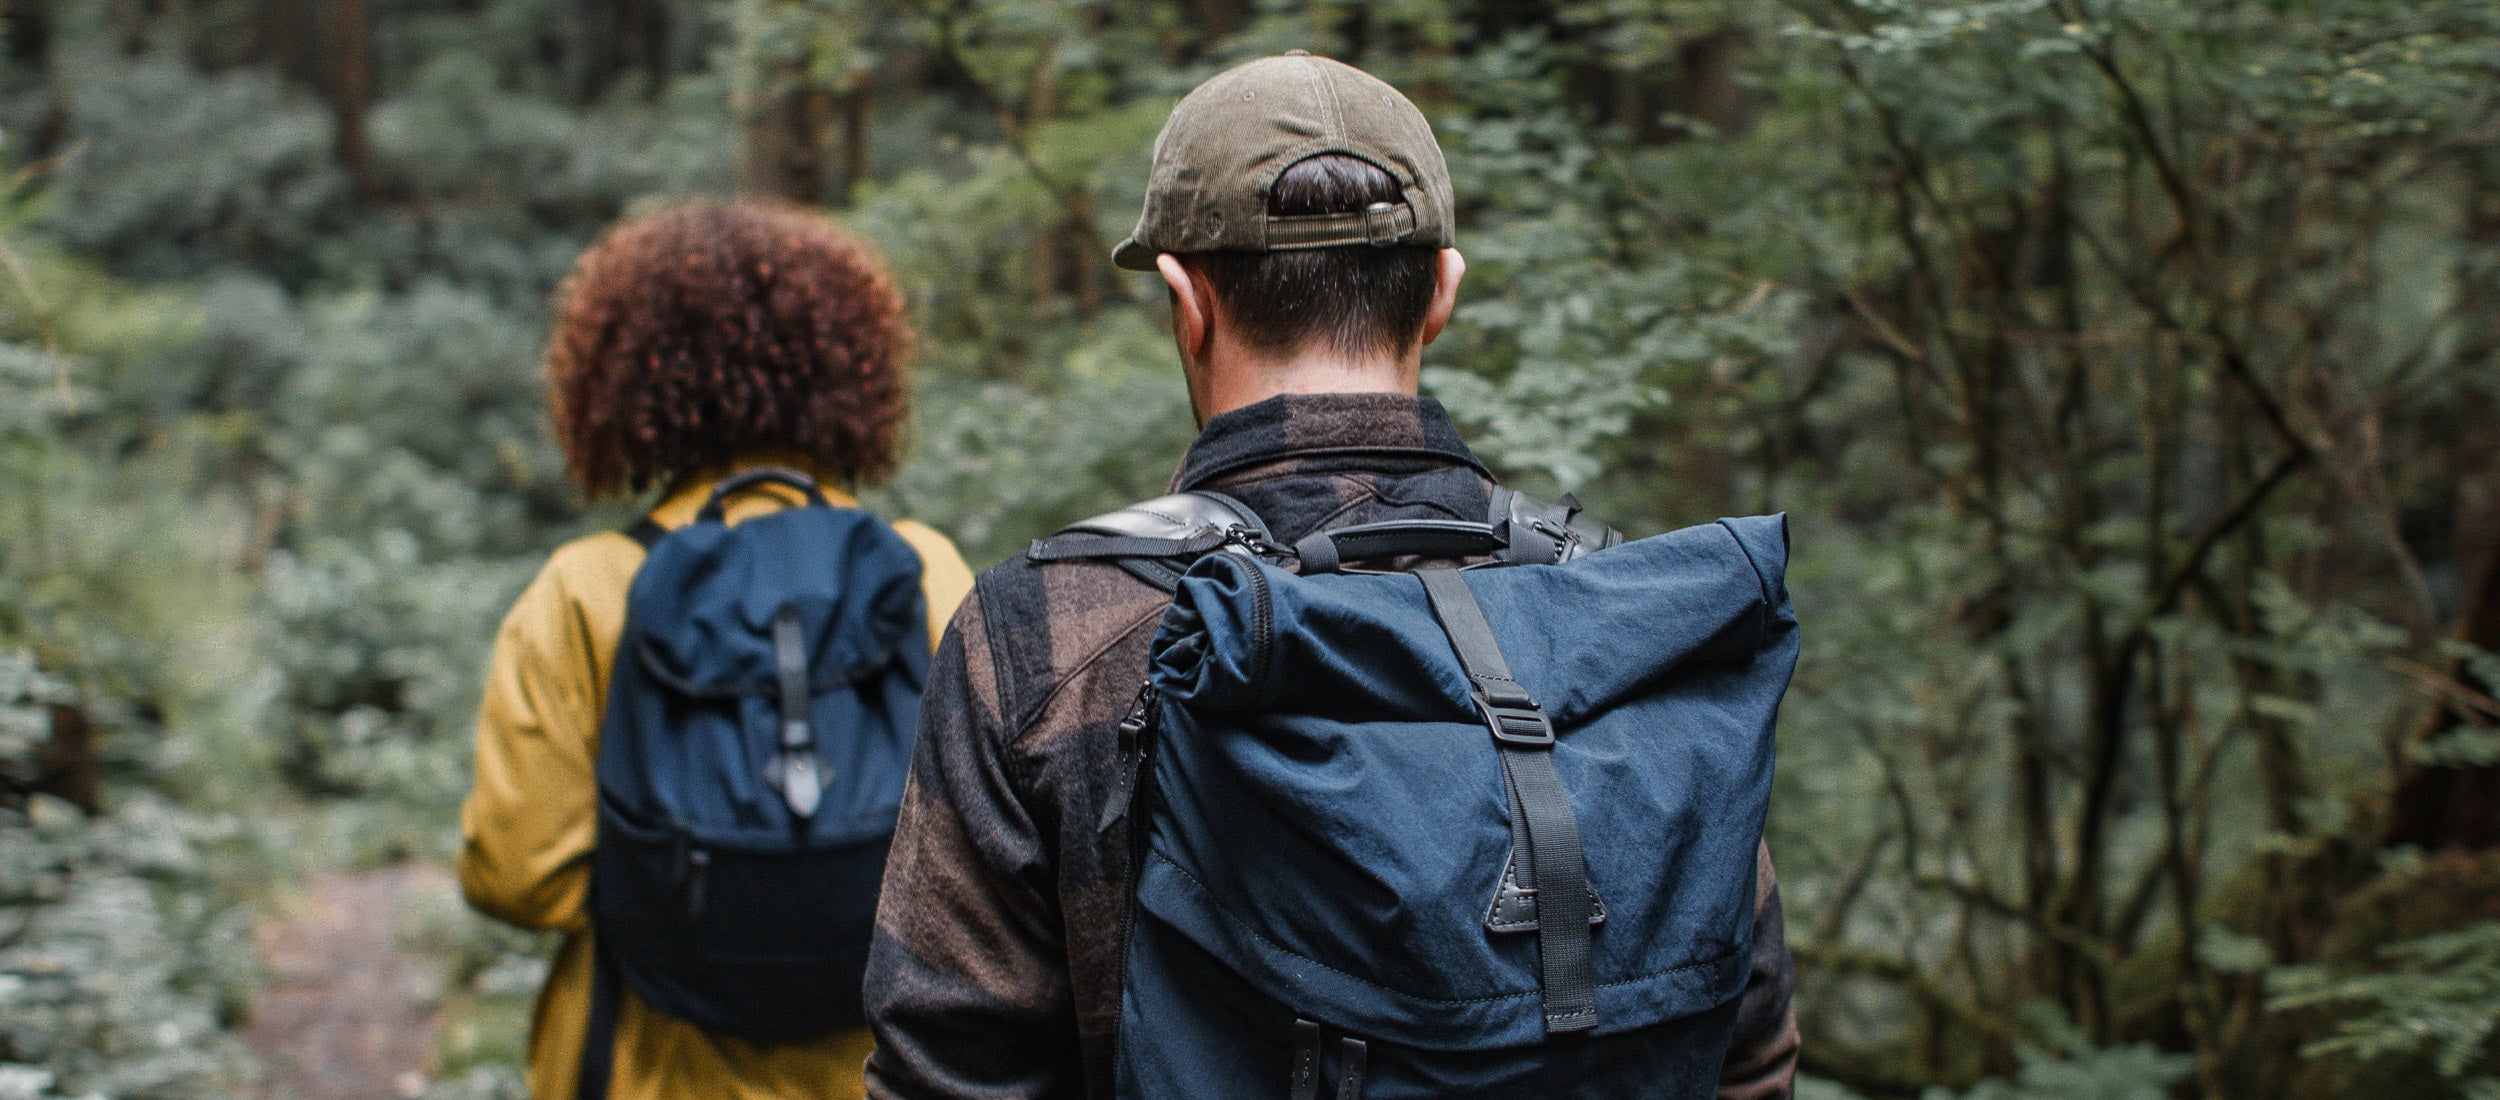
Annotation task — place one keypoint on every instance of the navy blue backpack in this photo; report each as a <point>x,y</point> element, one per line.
<point>759,724</point>
<point>1445,833</point>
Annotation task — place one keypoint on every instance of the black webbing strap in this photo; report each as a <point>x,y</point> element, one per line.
<point>1525,739</point>
<point>715,507</point>
<point>1353,1056</point>
<point>795,768</point>
<point>590,1078</point>
<point>599,1031</point>
<point>1353,1062</point>
<point>1305,1060</point>
<point>646,531</point>
<point>1064,548</point>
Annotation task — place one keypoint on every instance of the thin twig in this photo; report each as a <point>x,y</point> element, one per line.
<point>2448,685</point>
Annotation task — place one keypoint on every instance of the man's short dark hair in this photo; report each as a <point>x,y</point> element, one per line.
<point>1358,299</point>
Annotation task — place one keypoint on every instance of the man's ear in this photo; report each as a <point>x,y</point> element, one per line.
<point>1193,306</point>
<point>1445,277</point>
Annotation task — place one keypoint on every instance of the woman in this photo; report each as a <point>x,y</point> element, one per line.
<point>689,345</point>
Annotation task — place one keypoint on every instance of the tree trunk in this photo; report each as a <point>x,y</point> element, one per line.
<point>783,154</point>
<point>347,69</point>
<point>853,106</point>
<point>1706,85</point>
<point>287,35</point>
<point>618,39</point>
<point>138,26</point>
<point>326,46</point>
<point>64,765</point>
<point>28,28</point>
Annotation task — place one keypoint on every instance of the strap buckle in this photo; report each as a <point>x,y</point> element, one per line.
<point>1566,540</point>
<point>1518,725</point>
<point>1380,224</point>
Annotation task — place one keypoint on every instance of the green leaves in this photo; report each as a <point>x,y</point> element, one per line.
<point>2440,998</point>
<point>2230,952</point>
<point>2138,1071</point>
<point>125,962</point>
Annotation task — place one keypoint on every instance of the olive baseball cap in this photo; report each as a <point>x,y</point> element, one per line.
<point>1228,140</point>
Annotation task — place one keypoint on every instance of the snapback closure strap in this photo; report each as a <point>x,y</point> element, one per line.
<point>1379,225</point>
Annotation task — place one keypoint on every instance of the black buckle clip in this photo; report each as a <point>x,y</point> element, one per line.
<point>1514,725</point>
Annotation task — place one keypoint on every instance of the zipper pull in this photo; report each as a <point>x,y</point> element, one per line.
<point>1139,708</point>
<point>1135,731</point>
<point>1242,536</point>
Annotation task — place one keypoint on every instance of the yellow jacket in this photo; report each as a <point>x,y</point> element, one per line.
<point>527,824</point>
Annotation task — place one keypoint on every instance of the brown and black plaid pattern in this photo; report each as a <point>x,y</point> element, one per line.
<point>996,968</point>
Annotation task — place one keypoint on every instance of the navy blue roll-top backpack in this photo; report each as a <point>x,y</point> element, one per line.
<point>758,728</point>
<point>1448,833</point>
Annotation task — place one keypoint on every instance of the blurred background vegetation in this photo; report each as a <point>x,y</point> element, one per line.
<point>2127,367</point>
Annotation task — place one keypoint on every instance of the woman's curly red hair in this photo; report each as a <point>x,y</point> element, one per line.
<point>687,338</point>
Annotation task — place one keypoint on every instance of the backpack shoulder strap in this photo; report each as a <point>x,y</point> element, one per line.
<point>1179,525</point>
<point>1151,537</point>
<point>647,532</point>
<point>1157,539</point>
<point>598,1062</point>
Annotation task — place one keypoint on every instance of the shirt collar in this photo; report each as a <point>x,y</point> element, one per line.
<point>1301,425</point>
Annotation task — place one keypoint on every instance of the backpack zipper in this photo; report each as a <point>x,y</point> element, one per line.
<point>1262,624</point>
<point>1136,748</point>
<point>1137,731</point>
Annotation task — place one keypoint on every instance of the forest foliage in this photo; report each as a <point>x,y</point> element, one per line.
<point>2127,368</point>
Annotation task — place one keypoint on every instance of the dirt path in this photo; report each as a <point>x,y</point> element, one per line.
<point>342,1019</point>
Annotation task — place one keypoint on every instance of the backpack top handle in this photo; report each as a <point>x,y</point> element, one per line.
<point>1328,551</point>
<point>714,508</point>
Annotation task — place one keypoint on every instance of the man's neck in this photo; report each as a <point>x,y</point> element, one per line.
<point>1236,377</point>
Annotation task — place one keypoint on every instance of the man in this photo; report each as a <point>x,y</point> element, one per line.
<point>1301,215</point>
